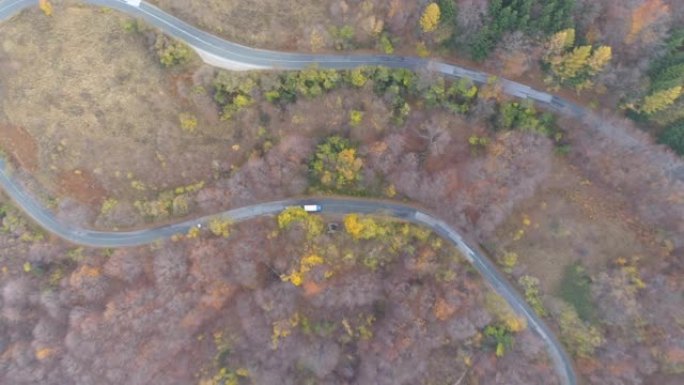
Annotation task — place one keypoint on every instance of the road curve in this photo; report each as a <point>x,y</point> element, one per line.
<point>92,238</point>
<point>222,53</point>
<point>229,55</point>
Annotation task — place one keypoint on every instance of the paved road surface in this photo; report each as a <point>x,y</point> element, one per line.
<point>229,55</point>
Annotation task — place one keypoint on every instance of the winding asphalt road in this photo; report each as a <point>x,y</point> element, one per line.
<point>222,53</point>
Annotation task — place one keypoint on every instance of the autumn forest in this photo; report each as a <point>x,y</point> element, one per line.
<point>112,125</point>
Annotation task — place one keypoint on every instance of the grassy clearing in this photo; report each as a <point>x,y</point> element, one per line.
<point>569,220</point>
<point>575,289</point>
<point>271,23</point>
<point>84,98</point>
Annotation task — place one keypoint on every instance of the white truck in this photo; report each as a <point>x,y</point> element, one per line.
<point>312,208</point>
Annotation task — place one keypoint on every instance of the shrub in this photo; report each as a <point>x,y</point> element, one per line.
<point>503,313</point>
<point>194,232</point>
<point>363,228</point>
<point>188,122</point>
<point>306,263</point>
<point>509,261</point>
<point>580,338</point>
<point>312,224</point>
<point>357,77</point>
<point>343,38</point>
<point>130,26</point>
<point>232,92</point>
<point>386,44</point>
<point>500,337</point>
<point>532,294</point>
<point>220,227</point>
<point>291,215</point>
<point>108,205</point>
<point>355,117</point>
<point>171,52</point>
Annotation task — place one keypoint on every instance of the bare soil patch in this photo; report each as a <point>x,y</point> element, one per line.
<point>20,145</point>
<point>82,186</point>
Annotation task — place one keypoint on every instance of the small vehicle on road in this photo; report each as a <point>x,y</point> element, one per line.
<point>312,208</point>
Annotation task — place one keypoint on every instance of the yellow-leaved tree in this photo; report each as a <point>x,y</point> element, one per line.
<point>296,277</point>
<point>573,62</point>
<point>561,41</point>
<point>220,227</point>
<point>503,313</point>
<point>660,100</point>
<point>599,59</point>
<point>312,224</point>
<point>574,65</point>
<point>579,337</point>
<point>363,228</point>
<point>46,7</point>
<point>430,18</point>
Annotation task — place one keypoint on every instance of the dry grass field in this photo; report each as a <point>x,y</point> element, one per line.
<point>264,23</point>
<point>87,108</point>
<point>571,220</point>
<point>305,25</point>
